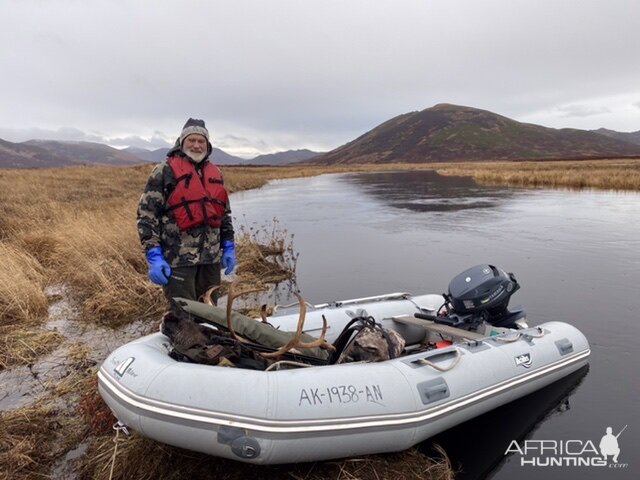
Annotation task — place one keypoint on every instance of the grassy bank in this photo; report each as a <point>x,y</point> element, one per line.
<point>596,174</point>
<point>76,227</point>
<point>612,174</point>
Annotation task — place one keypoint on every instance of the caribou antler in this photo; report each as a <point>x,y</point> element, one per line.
<point>295,342</point>
<point>206,296</point>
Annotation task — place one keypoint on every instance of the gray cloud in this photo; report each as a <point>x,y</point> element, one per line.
<point>316,74</point>
<point>582,110</point>
<point>68,134</point>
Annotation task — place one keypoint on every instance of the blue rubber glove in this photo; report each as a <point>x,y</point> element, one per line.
<point>159,269</point>
<point>228,256</point>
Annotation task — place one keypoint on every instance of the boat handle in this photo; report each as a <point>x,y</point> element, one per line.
<point>454,362</point>
<point>436,390</point>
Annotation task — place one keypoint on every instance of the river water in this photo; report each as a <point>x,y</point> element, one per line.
<point>576,255</point>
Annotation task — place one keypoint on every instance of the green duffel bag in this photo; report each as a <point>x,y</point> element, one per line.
<point>249,328</point>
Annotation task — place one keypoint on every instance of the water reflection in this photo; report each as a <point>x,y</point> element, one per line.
<point>427,191</point>
<point>476,448</point>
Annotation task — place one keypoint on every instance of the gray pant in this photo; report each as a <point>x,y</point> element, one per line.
<point>191,283</point>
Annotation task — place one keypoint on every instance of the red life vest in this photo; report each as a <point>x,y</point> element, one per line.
<point>197,199</point>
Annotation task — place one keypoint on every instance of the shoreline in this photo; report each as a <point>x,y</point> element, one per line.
<point>610,174</point>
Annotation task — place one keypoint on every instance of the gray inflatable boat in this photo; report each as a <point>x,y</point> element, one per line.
<point>296,413</point>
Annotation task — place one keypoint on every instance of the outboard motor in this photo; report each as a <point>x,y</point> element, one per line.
<point>481,294</point>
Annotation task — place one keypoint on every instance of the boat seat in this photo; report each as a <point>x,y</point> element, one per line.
<point>431,326</point>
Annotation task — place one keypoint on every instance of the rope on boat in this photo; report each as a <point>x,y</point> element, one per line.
<point>424,361</point>
<point>276,365</point>
<point>540,333</point>
<point>118,427</point>
<point>512,338</point>
<point>294,304</point>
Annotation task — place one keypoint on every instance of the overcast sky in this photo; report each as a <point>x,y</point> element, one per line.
<point>270,75</point>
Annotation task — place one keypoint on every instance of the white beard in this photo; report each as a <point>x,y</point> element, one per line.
<point>196,157</point>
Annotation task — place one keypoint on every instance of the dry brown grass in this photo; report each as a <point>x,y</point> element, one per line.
<point>22,281</point>
<point>77,226</point>
<point>33,438</point>
<point>143,459</point>
<point>23,346</point>
<point>265,254</point>
<point>597,174</point>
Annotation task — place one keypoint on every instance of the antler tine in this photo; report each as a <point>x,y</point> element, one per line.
<point>295,340</point>
<point>263,313</point>
<point>206,296</point>
<point>231,296</point>
<point>320,342</point>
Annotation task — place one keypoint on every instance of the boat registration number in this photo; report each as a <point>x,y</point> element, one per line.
<point>340,394</point>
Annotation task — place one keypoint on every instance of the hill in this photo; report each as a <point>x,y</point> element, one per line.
<point>20,155</point>
<point>50,153</point>
<point>456,133</point>
<point>153,156</point>
<point>220,157</point>
<point>283,158</point>
<point>86,153</point>
<point>631,137</point>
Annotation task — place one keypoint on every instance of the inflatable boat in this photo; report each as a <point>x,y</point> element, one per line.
<point>465,353</point>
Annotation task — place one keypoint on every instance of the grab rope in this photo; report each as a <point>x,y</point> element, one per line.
<point>541,333</point>
<point>295,304</point>
<point>276,365</point>
<point>118,427</point>
<point>512,338</point>
<point>456,360</point>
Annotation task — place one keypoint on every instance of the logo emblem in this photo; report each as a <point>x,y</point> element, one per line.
<point>609,444</point>
<point>123,366</point>
<point>571,453</point>
<point>524,360</point>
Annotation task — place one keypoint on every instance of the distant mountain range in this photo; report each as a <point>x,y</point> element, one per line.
<point>631,137</point>
<point>221,157</point>
<point>50,153</point>
<point>455,133</point>
<point>441,133</point>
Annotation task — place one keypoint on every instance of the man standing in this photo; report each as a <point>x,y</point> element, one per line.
<point>184,218</point>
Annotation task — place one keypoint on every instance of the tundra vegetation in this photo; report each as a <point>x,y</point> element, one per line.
<point>70,251</point>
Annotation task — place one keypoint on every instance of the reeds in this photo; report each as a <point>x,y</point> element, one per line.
<point>33,438</point>
<point>596,174</point>
<point>22,281</point>
<point>24,345</point>
<point>142,459</point>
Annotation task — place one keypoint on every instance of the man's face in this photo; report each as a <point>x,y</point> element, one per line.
<point>195,146</point>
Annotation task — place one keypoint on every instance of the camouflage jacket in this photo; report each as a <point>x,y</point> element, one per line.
<point>157,226</point>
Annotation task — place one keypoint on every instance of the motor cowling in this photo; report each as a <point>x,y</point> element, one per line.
<point>483,290</point>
